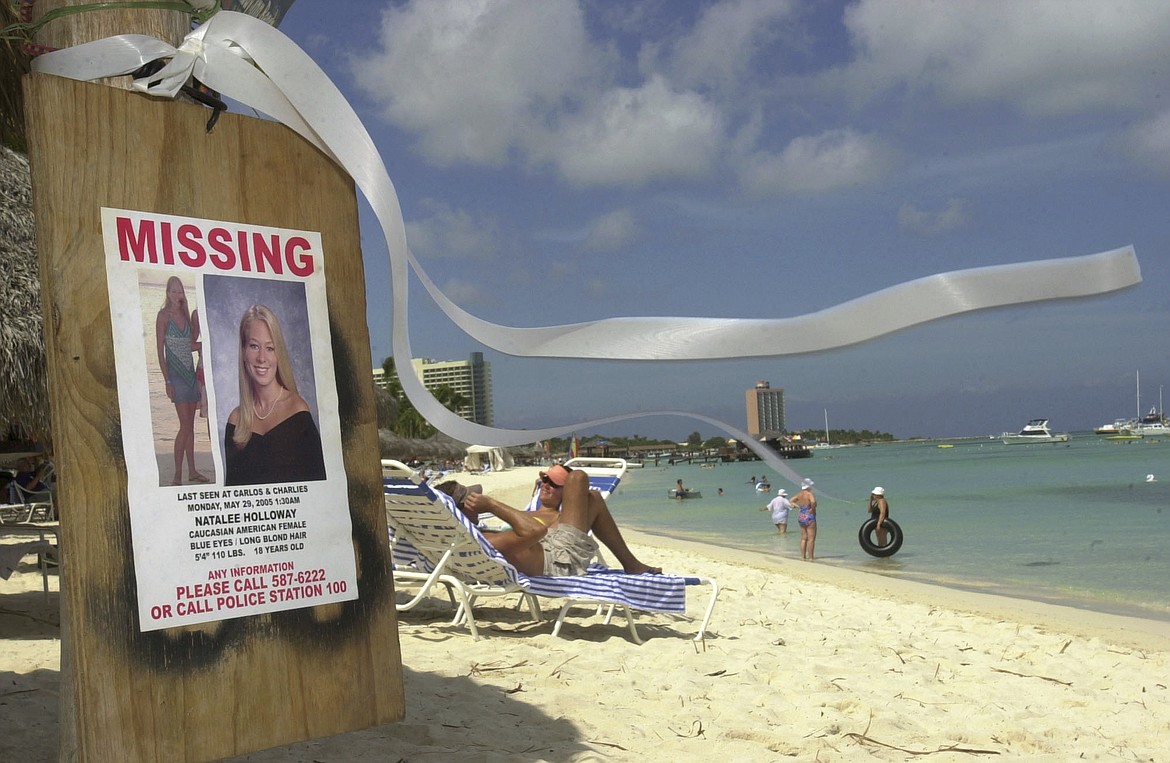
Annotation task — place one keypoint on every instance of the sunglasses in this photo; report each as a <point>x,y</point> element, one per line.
<point>544,478</point>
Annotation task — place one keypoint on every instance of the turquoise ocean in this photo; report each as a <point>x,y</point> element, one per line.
<point>1074,523</point>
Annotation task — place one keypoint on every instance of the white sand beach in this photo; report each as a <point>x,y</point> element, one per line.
<point>804,662</point>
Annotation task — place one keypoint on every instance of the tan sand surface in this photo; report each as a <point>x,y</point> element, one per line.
<point>805,662</point>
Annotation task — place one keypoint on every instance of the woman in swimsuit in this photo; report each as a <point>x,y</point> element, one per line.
<point>270,436</point>
<point>177,336</point>
<point>806,504</point>
<point>879,509</point>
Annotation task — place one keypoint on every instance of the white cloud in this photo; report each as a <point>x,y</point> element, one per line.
<point>718,52</point>
<point>817,164</point>
<point>487,82</point>
<point>1148,143</point>
<point>465,293</point>
<point>611,231</point>
<point>472,79</point>
<point>559,271</point>
<point>634,136</point>
<point>1045,57</point>
<point>451,233</point>
<point>598,288</point>
<point>537,85</point>
<point>953,216</point>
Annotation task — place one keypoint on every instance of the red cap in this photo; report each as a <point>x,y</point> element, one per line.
<point>557,475</point>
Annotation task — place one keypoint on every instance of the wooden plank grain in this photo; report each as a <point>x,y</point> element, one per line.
<point>239,685</point>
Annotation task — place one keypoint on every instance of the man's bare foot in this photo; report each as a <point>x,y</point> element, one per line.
<point>642,569</point>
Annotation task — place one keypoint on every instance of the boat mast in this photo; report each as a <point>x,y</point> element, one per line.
<point>1138,376</point>
<point>826,426</point>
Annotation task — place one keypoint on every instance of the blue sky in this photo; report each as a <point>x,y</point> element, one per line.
<point>562,161</point>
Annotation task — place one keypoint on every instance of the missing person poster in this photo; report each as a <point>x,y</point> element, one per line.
<point>236,482</point>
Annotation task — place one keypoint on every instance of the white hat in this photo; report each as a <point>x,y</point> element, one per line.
<point>806,483</point>
<point>781,491</point>
<point>878,491</point>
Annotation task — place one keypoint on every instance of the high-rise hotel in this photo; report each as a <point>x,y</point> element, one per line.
<point>765,411</point>
<point>471,378</point>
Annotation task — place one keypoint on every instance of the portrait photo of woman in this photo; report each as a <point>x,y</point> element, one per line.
<point>270,436</point>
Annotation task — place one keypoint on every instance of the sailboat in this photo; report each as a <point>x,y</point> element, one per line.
<point>826,443</point>
<point>1122,429</point>
<point>1152,424</point>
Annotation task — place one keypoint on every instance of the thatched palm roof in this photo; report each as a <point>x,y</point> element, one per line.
<point>436,447</point>
<point>24,399</point>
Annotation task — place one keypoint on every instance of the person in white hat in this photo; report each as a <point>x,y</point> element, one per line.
<point>779,507</point>
<point>806,503</point>
<point>879,510</point>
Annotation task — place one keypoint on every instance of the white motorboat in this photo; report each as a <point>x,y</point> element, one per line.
<point>1116,427</point>
<point>1035,430</point>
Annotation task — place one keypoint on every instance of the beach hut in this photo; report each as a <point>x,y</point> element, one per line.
<point>447,447</point>
<point>437,447</point>
<point>24,400</point>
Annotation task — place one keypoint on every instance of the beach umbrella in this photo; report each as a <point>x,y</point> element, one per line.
<point>24,398</point>
<point>392,445</point>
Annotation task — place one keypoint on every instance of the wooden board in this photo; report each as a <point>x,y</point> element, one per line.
<point>232,686</point>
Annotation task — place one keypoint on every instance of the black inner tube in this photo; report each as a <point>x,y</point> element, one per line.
<point>867,537</point>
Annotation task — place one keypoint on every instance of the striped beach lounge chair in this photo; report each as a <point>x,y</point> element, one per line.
<point>433,543</point>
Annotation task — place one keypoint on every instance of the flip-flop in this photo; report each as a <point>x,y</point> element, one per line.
<point>200,478</point>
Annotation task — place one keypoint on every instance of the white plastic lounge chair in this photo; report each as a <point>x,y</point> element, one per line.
<point>431,543</point>
<point>605,474</point>
<point>34,502</point>
<point>436,543</point>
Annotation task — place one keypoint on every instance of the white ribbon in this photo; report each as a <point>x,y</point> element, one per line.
<point>876,314</point>
<point>255,64</point>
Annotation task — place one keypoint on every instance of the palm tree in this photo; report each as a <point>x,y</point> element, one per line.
<point>409,422</point>
<point>450,399</point>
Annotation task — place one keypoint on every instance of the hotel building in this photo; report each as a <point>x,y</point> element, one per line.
<point>765,411</point>
<point>471,378</point>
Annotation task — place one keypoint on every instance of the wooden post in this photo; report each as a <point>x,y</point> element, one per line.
<point>65,32</point>
<point>77,28</point>
<point>233,686</point>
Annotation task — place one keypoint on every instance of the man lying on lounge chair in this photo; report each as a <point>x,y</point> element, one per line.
<point>554,539</point>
